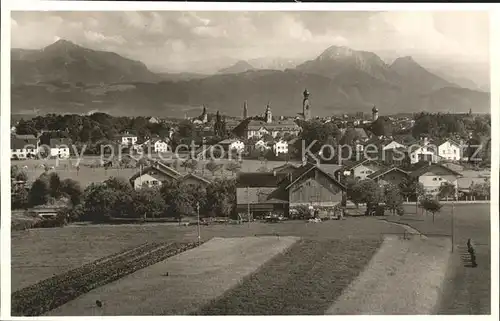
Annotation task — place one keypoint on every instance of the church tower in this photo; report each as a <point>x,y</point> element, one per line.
<point>204,115</point>
<point>374,113</point>
<point>245,110</point>
<point>269,114</point>
<point>306,106</point>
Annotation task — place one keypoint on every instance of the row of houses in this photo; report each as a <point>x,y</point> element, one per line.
<point>158,173</point>
<point>29,146</point>
<point>430,175</point>
<point>289,186</point>
<point>413,151</point>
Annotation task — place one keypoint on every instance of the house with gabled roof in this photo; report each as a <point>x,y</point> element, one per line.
<point>389,175</point>
<point>280,191</point>
<point>154,175</point>
<point>432,176</point>
<point>362,168</point>
<point>60,147</point>
<point>449,149</point>
<point>312,186</point>
<point>193,179</point>
<point>23,146</point>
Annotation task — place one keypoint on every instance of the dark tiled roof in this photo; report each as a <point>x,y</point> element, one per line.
<point>385,170</point>
<point>196,177</point>
<point>26,136</point>
<point>423,167</point>
<point>351,165</point>
<point>293,177</point>
<point>54,142</point>
<point>257,179</point>
<point>285,168</point>
<point>160,167</point>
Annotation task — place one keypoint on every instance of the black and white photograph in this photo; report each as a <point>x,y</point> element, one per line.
<point>251,163</point>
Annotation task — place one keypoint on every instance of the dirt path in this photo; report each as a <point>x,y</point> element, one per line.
<point>404,277</point>
<point>194,278</point>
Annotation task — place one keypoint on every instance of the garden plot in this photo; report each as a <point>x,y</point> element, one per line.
<point>180,284</point>
<point>404,277</point>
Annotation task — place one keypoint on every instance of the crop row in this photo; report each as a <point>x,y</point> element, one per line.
<point>53,292</point>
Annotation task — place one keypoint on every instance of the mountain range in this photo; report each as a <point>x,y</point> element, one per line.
<point>66,78</point>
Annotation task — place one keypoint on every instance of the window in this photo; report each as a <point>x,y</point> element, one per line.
<point>155,183</point>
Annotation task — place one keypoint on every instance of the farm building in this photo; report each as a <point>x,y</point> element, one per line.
<point>392,175</point>
<point>158,173</point>
<point>154,175</point>
<point>286,188</point>
<point>432,176</point>
<point>361,169</point>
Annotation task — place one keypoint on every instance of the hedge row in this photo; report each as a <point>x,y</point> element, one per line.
<point>53,292</point>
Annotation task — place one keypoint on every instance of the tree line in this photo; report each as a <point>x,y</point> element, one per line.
<point>116,198</point>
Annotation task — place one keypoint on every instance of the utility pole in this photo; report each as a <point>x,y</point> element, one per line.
<point>453,220</point>
<point>199,231</point>
<point>248,205</point>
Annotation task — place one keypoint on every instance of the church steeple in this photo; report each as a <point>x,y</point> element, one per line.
<point>204,115</point>
<point>306,106</point>
<point>245,110</point>
<point>269,114</point>
<point>374,113</point>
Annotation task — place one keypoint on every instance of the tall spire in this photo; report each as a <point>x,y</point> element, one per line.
<point>306,106</point>
<point>245,110</point>
<point>204,115</point>
<point>374,113</point>
<point>268,114</point>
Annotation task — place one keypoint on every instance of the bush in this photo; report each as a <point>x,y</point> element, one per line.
<point>400,211</point>
<point>380,210</point>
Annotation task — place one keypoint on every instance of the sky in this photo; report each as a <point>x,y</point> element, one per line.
<point>180,40</point>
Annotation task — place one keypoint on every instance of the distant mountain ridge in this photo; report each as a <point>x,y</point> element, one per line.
<point>238,67</point>
<point>66,61</point>
<point>64,77</point>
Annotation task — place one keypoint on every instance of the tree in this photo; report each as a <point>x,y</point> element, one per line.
<point>221,197</point>
<point>367,191</point>
<point>411,189</point>
<point>350,182</point>
<point>319,132</point>
<point>393,199</point>
<point>233,167</point>
<point>148,203</point>
<point>99,202</point>
<point>177,199</point>
<point>55,185</point>
<point>381,127</point>
<point>430,204</point>
<point>118,183</point>
<point>212,167</point>
<point>186,129</point>
<point>18,174</point>
<point>39,192</point>
<point>72,190</point>
<point>447,190</point>
<point>19,199</point>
